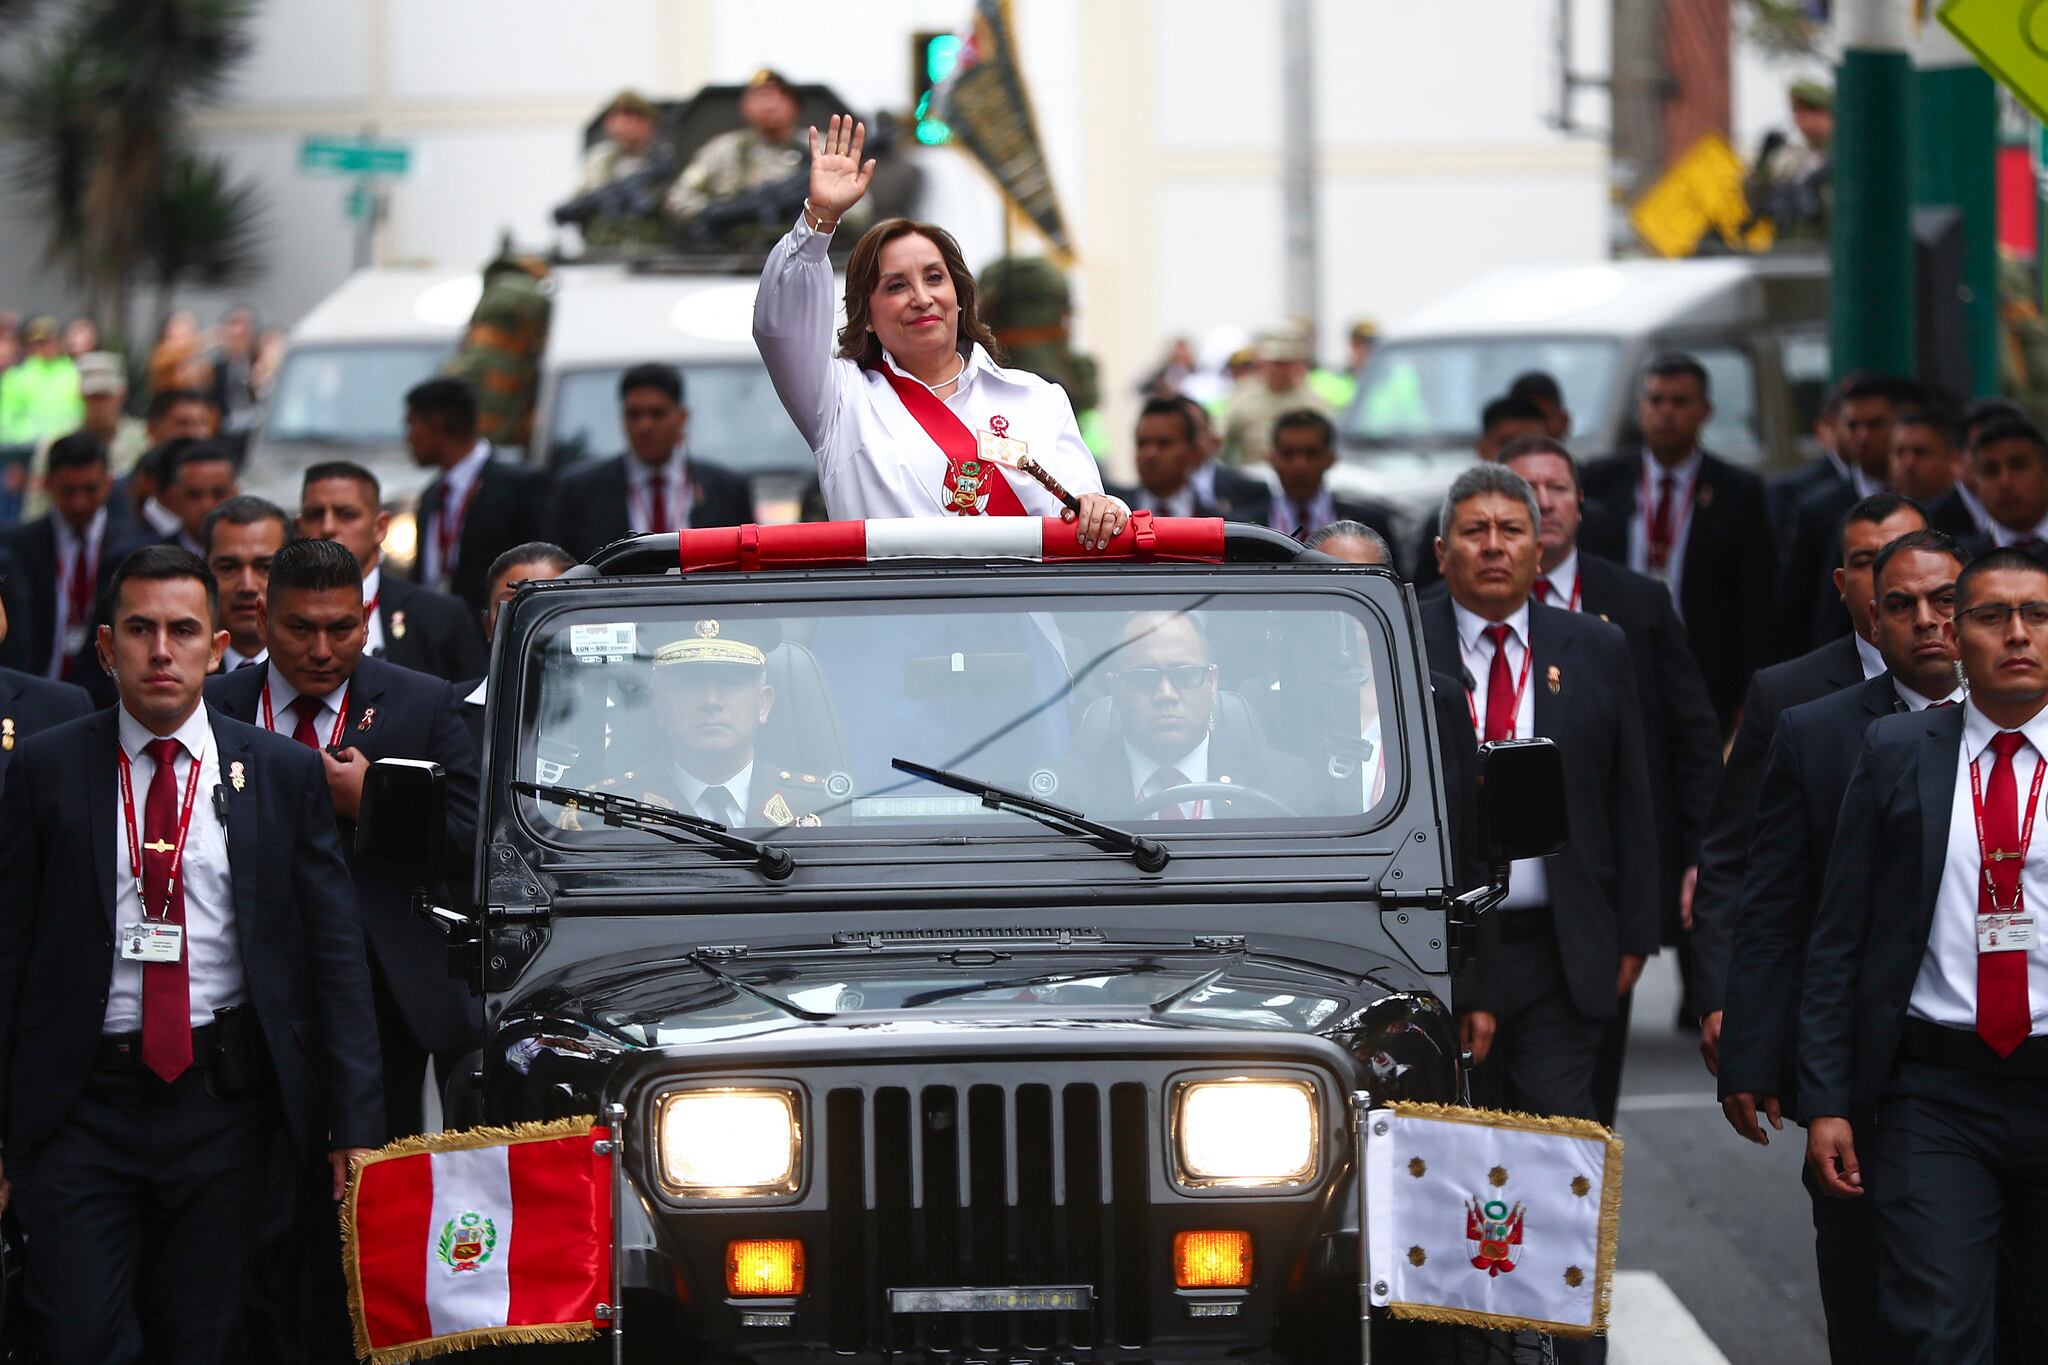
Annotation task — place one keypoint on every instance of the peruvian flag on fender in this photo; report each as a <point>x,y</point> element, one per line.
<point>473,1238</point>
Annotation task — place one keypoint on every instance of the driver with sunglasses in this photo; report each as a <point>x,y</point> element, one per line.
<point>1181,747</point>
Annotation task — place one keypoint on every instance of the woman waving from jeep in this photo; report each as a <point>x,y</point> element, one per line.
<point>911,416</point>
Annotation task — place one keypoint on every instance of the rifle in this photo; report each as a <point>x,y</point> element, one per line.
<point>634,196</point>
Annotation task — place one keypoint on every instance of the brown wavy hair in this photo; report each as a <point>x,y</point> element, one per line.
<point>864,273</point>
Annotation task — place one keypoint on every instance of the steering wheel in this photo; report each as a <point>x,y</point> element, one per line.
<point>1233,792</point>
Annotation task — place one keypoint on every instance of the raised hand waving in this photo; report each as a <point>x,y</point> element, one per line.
<point>838,176</point>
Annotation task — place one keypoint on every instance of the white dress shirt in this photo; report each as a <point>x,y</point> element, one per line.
<point>69,632</point>
<point>1373,766</point>
<point>232,659</point>
<point>2002,536</point>
<point>1867,655</point>
<point>874,460</point>
<point>1179,503</point>
<point>1193,766</point>
<point>284,720</point>
<point>213,954</point>
<point>693,787</point>
<point>1290,518</point>
<point>1687,472</point>
<point>1563,581</point>
<point>1946,989</point>
<point>161,519</point>
<point>674,475</point>
<point>1914,701</point>
<point>455,488</point>
<point>373,620</point>
<point>1528,885</point>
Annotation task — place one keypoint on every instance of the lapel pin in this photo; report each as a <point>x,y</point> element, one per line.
<point>369,716</point>
<point>238,777</point>
<point>6,732</point>
<point>1704,497</point>
<point>398,625</point>
<point>1554,678</point>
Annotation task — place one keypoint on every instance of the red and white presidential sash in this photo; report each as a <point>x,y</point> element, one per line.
<point>974,485</point>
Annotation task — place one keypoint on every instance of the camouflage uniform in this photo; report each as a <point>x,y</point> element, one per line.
<point>1024,301</point>
<point>728,166</point>
<point>1254,407</point>
<point>500,353</point>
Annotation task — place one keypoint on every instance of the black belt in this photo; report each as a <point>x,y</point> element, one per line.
<point>123,1051</point>
<point>1519,926</point>
<point>1962,1050</point>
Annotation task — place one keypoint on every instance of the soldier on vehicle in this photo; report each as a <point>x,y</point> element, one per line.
<point>770,149</point>
<point>627,155</point>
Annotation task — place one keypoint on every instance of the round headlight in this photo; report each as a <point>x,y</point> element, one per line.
<point>1247,1132</point>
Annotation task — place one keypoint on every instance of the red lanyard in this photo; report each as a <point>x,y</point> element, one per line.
<point>1472,694</point>
<point>448,530</point>
<point>135,840</point>
<point>340,717</point>
<point>1577,579</point>
<point>1986,855</point>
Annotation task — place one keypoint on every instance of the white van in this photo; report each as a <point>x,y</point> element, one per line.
<point>1758,325</point>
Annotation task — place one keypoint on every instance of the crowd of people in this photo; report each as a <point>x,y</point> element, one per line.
<point>197,1036</point>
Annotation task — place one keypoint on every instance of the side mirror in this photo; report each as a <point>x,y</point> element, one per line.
<point>401,826</point>
<point>1521,800</point>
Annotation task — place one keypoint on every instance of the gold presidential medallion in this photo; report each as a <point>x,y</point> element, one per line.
<point>997,446</point>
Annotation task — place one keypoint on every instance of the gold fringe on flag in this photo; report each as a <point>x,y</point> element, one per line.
<point>1610,1217</point>
<point>462,1140</point>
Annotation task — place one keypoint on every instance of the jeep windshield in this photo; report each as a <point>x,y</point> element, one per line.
<point>1180,714</point>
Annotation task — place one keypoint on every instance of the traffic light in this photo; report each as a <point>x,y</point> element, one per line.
<point>932,59</point>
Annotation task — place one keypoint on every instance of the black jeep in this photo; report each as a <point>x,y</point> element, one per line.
<point>984,960</point>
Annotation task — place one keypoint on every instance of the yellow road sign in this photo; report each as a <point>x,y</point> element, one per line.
<point>2009,38</point>
<point>1701,193</point>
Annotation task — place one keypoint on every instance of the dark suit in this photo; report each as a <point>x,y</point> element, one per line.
<point>1815,746</point>
<point>506,507</point>
<point>396,713</point>
<point>1239,495</point>
<point>591,504</point>
<point>428,631</point>
<point>1680,736</point>
<point>14,600</point>
<point>141,1195</point>
<point>1098,780</point>
<point>1726,575</point>
<point>1783,494</point>
<point>30,705</point>
<point>1558,977</point>
<point>1950,514</point>
<point>1810,609</point>
<point>1732,817</point>
<point>1954,1150</point>
<point>33,548</point>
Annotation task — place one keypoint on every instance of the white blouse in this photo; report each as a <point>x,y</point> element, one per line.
<point>874,460</point>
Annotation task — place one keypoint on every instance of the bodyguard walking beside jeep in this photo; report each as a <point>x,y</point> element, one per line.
<point>181,974</point>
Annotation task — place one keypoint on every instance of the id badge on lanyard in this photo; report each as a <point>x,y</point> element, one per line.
<point>2006,928</point>
<point>154,938</point>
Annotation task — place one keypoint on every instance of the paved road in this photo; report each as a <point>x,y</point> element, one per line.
<point>1716,1258</point>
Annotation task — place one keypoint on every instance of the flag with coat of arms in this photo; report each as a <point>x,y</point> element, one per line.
<point>1492,1219</point>
<point>480,1237</point>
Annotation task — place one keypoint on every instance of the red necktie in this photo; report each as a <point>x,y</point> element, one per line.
<point>1542,590</point>
<point>657,502</point>
<point>77,602</point>
<point>2003,1017</point>
<point>1660,525</point>
<point>166,989</point>
<point>307,709</point>
<point>1500,689</point>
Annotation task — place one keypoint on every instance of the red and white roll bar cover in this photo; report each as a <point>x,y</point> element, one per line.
<point>809,545</point>
<point>839,544</point>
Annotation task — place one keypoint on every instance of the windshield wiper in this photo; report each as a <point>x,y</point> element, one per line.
<point>623,812</point>
<point>1149,854</point>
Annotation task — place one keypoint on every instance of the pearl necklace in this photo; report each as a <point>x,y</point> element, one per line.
<point>933,389</point>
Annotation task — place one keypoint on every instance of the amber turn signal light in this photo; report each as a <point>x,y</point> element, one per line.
<point>1212,1260</point>
<point>764,1269</point>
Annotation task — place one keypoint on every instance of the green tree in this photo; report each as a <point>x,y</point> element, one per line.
<point>101,107</point>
